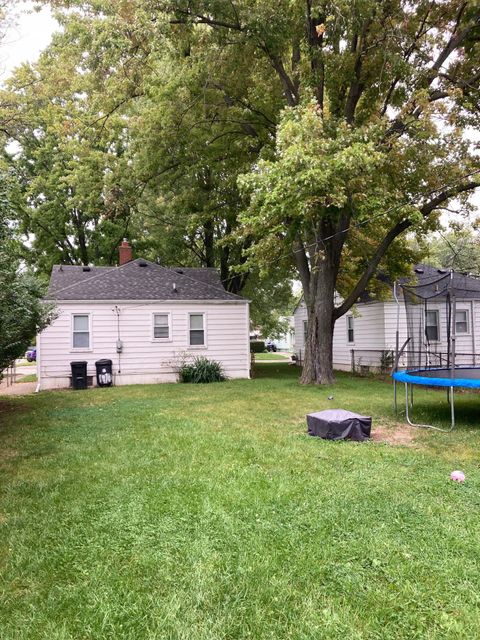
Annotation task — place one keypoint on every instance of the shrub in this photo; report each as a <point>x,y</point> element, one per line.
<point>387,359</point>
<point>202,370</point>
<point>257,346</point>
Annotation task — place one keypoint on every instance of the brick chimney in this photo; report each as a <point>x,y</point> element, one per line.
<point>124,252</point>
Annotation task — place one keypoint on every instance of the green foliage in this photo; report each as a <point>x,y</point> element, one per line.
<point>387,360</point>
<point>75,186</point>
<point>257,346</point>
<point>346,119</point>
<point>22,314</point>
<point>140,130</point>
<point>271,299</point>
<point>457,249</point>
<point>201,371</point>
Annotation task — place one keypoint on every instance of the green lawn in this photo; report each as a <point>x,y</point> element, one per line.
<point>271,356</point>
<point>205,512</point>
<point>31,377</point>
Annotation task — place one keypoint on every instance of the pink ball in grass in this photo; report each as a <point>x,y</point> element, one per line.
<point>457,476</point>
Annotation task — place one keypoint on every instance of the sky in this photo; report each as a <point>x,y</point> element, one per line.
<point>30,34</point>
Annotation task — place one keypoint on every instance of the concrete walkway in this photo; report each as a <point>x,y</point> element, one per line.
<point>20,388</point>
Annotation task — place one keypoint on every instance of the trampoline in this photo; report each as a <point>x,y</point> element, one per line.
<point>466,377</point>
<point>431,314</point>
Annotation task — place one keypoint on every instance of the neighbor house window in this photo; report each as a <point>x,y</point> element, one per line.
<point>461,321</point>
<point>305,330</point>
<point>432,331</point>
<point>81,331</point>
<point>161,326</point>
<point>197,329</point>
<point>350,333</point>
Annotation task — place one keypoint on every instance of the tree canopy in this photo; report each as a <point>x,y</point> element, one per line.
<point>256,136</point>
<point>22,314</point>
<point>121,130</point>
<point>457,248</point>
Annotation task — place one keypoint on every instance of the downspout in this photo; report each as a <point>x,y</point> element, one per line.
<point>472,324</point>
<point>38,363</point>
<point>119,342</point>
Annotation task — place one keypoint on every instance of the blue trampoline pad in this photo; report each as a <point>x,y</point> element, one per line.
<point>468,377</point>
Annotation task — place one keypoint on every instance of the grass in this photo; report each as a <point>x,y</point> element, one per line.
<point>271,356</point>
<point>31,377</point>
<point>200,512</point>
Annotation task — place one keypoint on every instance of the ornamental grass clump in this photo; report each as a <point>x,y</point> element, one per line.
<point>202,370</point>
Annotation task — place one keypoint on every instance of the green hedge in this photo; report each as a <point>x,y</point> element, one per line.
<point>257,346</point>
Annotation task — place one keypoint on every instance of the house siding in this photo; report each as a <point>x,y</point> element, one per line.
<point>369,333</point>
<point>375,326</point>
<point>144,360</point>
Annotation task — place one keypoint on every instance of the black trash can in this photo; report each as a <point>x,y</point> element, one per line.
<point>79,374</point>
<point>104,373</point>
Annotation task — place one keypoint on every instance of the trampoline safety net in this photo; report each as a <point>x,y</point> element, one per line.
<point>437,306</point>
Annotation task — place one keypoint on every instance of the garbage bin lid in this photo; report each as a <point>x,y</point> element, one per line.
<point>79,362</point>
<point>103,362</point>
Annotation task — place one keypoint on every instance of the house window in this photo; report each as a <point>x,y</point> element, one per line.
<point>197,329</point>
<point>81,332</point>
<point>161,326</point>
<point>461,321</point>
<point>432,331</point>
<point>305,330</point>
<point>350,333</point>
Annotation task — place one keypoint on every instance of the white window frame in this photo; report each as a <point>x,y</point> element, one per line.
<point>350,328</point>
<point>169,316</point>
<point>439,338</point>
<point>90,333</point>
<point>467,316</point>
<point>197,346</point>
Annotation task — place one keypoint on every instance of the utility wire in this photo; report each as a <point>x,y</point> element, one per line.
<point>368,220</point>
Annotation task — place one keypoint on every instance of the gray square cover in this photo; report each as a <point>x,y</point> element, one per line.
<point>338,424</point>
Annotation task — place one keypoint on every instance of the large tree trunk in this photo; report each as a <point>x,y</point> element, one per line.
<point>318,359</point>
<point>318,272</point>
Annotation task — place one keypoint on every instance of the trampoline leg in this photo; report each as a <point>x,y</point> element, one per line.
<point>452,408</point>
<point>427,426</point>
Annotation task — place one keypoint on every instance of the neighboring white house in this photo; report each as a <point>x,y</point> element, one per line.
<point>365,337</point>
<point>285,342</point>
<point>144,317</point>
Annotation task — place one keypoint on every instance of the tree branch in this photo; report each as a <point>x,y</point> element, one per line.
<point>302,265</point>
<point>426,209</point>
<point>289,90</point>
<point>202,19</point>
<point>370,271</point>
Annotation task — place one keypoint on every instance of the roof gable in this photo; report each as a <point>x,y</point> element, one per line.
<point>136,280</point>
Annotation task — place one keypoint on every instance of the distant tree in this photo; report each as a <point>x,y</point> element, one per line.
<point>22,313</point>
<point>75,181</point>
<point>458,249</point>
<point>117,134</point>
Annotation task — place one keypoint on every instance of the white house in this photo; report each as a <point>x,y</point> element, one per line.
<point>364,339</point>
<point>285,341</point>
<point>144,317</point>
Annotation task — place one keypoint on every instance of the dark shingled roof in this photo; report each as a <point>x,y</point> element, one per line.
<point>430,282</point>
<point>132,281</point>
